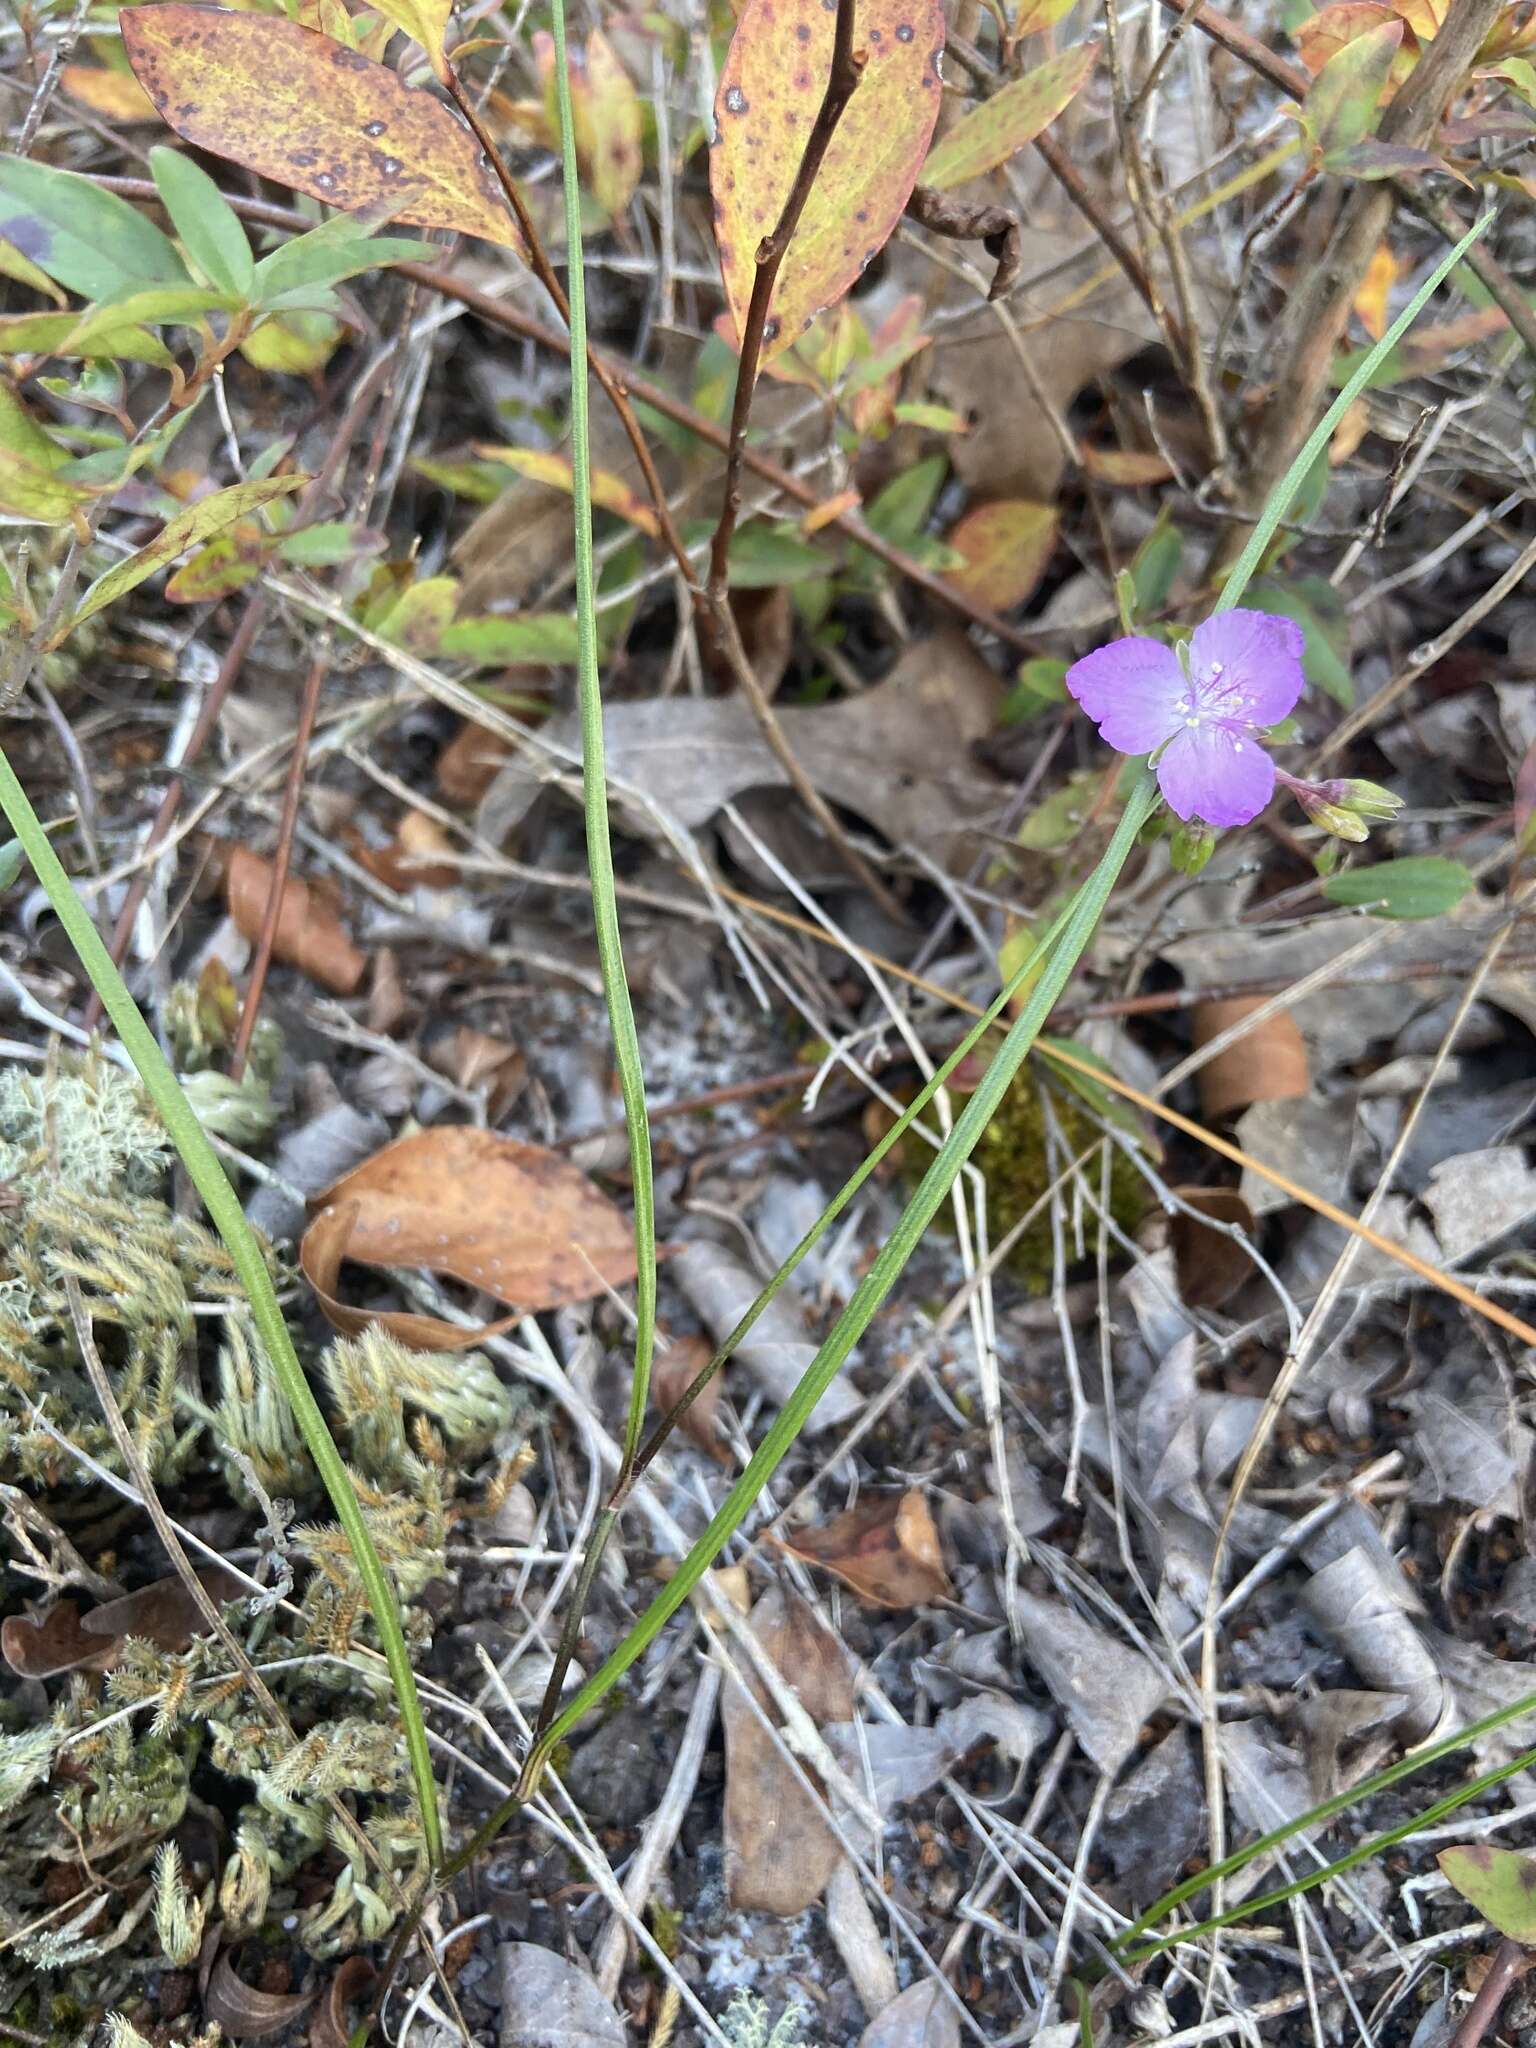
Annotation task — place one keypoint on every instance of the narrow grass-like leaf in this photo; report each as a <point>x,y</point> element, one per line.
<point>1279,502</point>
<point>1075,930</point>
<point>228,1218</point>
<point>605,909</point>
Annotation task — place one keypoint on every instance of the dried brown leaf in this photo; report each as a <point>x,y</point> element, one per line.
<point>164,1613</point>
<point>516,1221</point>
<point>245,2013</point>
<point>675,1370</point>
<point>330,2028</point>
<point>779,1852</point>
<point>1211,1265</point>
<point>1267,1064</point>
<point>887,1549</point>
<point>41,1646</point>
<point>308,936</point>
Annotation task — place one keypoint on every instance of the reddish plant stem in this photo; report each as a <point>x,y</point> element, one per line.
<point>1509,1962</point>
<point>842,80</point>
<point>282,860</point>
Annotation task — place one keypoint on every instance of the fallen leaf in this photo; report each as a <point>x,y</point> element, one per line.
<point>898,755</point>
<point>304,110</point>
<point>1211,1265</point>
<point>470,763</point>
<point>516,1221</point>
<point>308,936</point>
<point>778,1348</point>
<point>165,1612</point>
<point>770,92</point>
<point>919,2017</point>
<point>1381,273</point>
<point>1006,546</point>
<point>41,1646</point>
<point>1125,468</point>
<point>1267,1064</point>
<point>886,1548</point>
<point>117,94</point>
<point>245,2013</point>
<point>547,2002</point>
<point>330,2027</point>
<point>779,1852</point>
<point>322,1250</point>
<point>674,1372</point>
<point>1106,1689</point>
<point>414,858</point>
<point>544,466</point>
<point>607,120</point>
<point>478,1060</point>
<point>1014,115</point>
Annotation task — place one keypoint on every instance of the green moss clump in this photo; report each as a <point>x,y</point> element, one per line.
<point>1018,1159</point>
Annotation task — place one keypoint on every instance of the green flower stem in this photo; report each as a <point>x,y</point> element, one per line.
<point>1082,917</point>
<point>223,1206</point>
<point>1283,496</point>
<point>605,909</point>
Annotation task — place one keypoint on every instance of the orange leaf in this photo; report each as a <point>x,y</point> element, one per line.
<point>516,1221</point>
<point>1006,546</point>
<point>303,109</point>
<point>829,509</point>
<point>770,93</point>
<point>1371,299</point>
<point>1267,1064</point>
<point>886,1549</point>
<point>544,466</point>
<point>308,936</point>
<point>1128,468</point>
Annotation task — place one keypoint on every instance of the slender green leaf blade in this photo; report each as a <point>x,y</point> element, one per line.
<point>206,222</point>
<point>208,516</point>
<point>88,240</point>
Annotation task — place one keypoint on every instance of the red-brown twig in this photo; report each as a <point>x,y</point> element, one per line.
<point>282,859</point>
<point>1509,1962</point>
<point>842,80</point>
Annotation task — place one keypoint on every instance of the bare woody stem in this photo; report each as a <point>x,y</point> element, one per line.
<point>842,79</point>
<point>1509,1962</point>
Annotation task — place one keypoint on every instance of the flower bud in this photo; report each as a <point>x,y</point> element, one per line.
<point>1191,846</point>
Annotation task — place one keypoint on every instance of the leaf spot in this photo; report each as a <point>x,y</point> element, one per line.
<point>802,33</point>
<point>374,127</point>
<point>904,32</point>
<point>735,100</point>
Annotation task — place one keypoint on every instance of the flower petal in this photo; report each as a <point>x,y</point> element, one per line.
<point>1133,690</point>
<point>1214,773</point>
<point>1247,666</point>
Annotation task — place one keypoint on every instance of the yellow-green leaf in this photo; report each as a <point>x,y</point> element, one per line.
<point>424,21</point>
<point>29,489</point>
<point>1005,547</point>
<point>303,109</point>
<point>770,92</point>
<point>608,108</point>
<point>991,133</point>
<point>208,516</point>
<point>543,466</point>
<point>1497,1883</point>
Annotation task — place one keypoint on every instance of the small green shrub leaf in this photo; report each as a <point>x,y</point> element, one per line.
<point>991,133</point>
<point>1498,1883</point>
<point>87,240</point>
<point>208,225</point>
<point>197,522</point>
<point>1424,885</point>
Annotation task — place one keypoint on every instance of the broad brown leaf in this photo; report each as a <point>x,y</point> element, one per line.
<point>308,936</point>
<point>516,1221</point>
<point>304,110</point>
<point>886,1549</point>
<point>770,93</point>
<point>41,1646</point>
<point>779,1852</point>
<point>1267,1064</point>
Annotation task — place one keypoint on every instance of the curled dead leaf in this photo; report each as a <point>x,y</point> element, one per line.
<point>489,1065</point>
<point>329,2028</point>
<point>1211,1265</point>
<point>887,1549</point>
<point>779,1852</point>
<point>245,2013</point>
<point>43,1645</point>
<point>164,1613</point>
<point>420,856</point>
<point>513,1220</point>
<point>1267,1064</point>
<point>470,762</point>
<point>308,936</point>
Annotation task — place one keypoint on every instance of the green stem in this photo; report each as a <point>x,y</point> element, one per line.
<point>223,1206</point>
<point>1083,915</point>
<point>1281,499</point>
<point>605,910</point>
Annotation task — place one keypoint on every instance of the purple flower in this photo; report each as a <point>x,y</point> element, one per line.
<point>1198,708</point>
